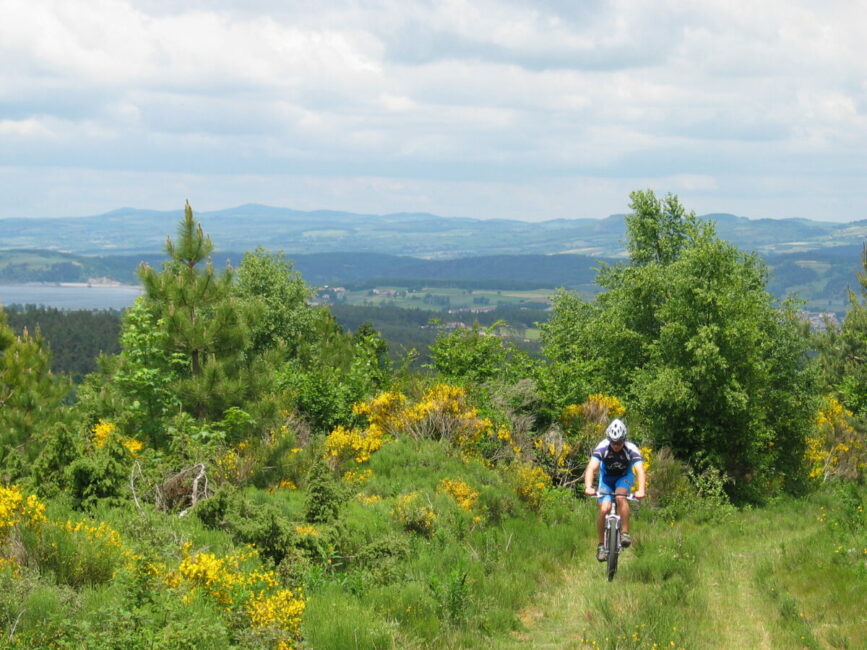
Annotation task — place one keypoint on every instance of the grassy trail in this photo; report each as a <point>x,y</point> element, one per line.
<point>755,581</point>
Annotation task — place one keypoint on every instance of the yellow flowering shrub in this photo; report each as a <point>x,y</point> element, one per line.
<point>101,431</point>
<point>133,446</point>
<point>591,417</point>
<point>530,481</point>
<point>555,450</point>
<point>280,611</point>
<point>383,412</point>
<point>344,444</point>
<point>647,457</point>
<point>461,492</point>
<point>414,514</point>
<point>245,592</point>
<point>284,484</point>
<point>564,452</point>
<point>17,509</point>
<point>307,529</point>
<point>443,412</point>
<point>837,448</point>
<point>357,478</point>
<point>227,467</point>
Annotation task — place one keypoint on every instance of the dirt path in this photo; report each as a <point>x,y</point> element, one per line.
<point>736,612</point>
<point>723,604</point>
<point>561,617</point>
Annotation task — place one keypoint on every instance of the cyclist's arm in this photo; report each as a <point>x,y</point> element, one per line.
<point>592,466</point>
<point>638,468</point>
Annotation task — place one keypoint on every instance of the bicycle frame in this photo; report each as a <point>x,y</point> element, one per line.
<point>612,535</point>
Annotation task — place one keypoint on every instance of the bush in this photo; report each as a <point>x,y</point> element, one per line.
<point>415,514</point>
<point>60,450</point>
<point>324,495</point>
<point>100,475</point>
<point>262,525</point>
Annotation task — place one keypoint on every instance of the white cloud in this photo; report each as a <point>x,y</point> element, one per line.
<point>459,101</point>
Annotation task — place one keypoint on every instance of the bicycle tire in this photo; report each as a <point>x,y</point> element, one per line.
<point>613,548</point>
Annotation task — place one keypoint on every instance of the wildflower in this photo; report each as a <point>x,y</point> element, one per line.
<point>415,517</point>
<point>531,482</point>
<point>461,492</point>
<point>307,529</point>
<point>133,446</point>
<point>17,509</point>
<point>101,432</point>
<point>357,478</point>
<point>344,444</point>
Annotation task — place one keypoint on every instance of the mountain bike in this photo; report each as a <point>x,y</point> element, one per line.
<point>611,535</point>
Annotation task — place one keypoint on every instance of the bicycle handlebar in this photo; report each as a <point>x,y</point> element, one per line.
<point>597,494</point>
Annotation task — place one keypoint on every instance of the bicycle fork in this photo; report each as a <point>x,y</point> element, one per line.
<point>612,527</point>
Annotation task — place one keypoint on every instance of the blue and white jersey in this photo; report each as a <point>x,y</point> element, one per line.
<point>616,463</point>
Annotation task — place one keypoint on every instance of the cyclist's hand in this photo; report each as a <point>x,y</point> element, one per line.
<point>589,491</point>
<point>639,494</point>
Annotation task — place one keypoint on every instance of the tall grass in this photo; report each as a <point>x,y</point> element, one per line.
<point>768,577</point>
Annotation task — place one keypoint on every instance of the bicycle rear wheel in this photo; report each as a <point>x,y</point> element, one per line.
<point>613,549</point>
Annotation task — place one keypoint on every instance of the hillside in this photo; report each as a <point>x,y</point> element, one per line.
<point>820,276</point>
<point>422,235</point>
<point>246,473</point>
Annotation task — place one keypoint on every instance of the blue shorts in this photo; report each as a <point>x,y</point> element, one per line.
<point>608,484</point>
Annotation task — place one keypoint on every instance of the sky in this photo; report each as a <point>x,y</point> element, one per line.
<point>474,108</point>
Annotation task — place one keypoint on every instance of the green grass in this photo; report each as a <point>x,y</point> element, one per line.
<point>763,578</point>
<point>789,575</point>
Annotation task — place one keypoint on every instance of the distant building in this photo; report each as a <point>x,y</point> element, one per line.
<point>471,310</point>
<point>819,320</point>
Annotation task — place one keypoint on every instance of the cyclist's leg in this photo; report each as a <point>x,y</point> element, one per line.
<point>604,509</point>
<point>604,490</point>
<point>622,488</point>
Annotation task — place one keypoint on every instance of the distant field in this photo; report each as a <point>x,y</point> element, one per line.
<point>444,299</point>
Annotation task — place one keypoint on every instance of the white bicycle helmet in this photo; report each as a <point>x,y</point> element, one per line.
<point>617,431</point>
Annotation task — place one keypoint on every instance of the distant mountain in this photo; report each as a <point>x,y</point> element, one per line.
<point>421,235</point>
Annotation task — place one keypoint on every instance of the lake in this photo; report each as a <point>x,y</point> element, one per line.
<point>66,297</point>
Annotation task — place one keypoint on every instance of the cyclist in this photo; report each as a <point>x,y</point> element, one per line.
<point>619,462</point>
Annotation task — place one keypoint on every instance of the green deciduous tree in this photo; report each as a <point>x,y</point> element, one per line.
<point>689,336</point>
<point>476,354</point>
<point>268,281</point>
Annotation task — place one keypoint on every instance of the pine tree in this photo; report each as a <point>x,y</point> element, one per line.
<point>843,350</point>
<point>207,327</point>
<point>29,392</point>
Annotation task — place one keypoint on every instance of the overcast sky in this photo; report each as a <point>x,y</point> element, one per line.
<point>477,108</point>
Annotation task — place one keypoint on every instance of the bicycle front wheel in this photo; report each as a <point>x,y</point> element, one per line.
<point>613,549</point>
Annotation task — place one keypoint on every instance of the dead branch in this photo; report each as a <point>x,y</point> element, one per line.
<point>135,472</point>
<point>183,490</point>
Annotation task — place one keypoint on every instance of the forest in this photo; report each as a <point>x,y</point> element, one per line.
<point>237,469</point>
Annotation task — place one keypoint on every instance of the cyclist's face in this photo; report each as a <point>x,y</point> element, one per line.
<point>617,445</point>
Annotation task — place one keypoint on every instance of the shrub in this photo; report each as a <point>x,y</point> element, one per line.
<point>669,484</point>
<point>838,448</point>
<point>415,514</point>
<point>103,473</point>
<point>324,495</point>
<point>77,553</point>
<point>530,483</point>
<point>48,473</point>
<point>253,601</point>
<point>459,490</point>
